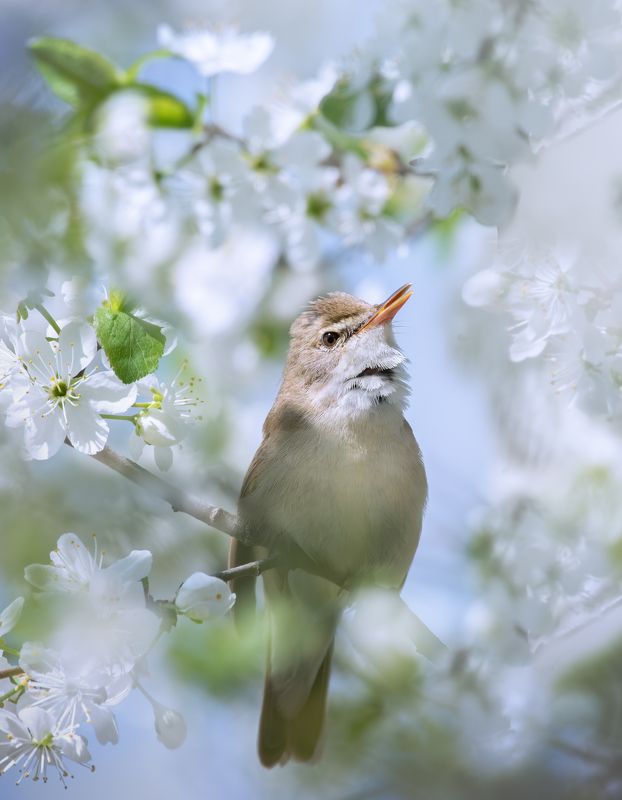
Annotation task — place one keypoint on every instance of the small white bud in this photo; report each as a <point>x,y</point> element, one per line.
<point>202,597</point>
<point>170,726</point>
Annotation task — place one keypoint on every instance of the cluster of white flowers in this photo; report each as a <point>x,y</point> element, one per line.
<point>96,657</point>
<point>56,385</point>
<point>564,309</point>
<point>487,80</point>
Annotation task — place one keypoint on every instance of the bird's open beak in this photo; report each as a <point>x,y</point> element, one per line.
<point>386,311</point>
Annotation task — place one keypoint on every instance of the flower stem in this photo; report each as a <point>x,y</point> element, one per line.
<point>8,695</point>
<point>142,405</point>
<point>10,650</point>
<point>128,417</point>
<point>47,316</point>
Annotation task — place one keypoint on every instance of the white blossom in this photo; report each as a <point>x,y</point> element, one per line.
<point>74,692</point>
<point>165,417</point>
<point>106,625</point>
<point>123,133</point>
<point>55,396</point>
<point>75,569</point>
<point>33,742</point>
<point>215,51</point>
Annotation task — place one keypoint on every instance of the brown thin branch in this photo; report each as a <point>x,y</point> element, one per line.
<point>12,672</point>
<point>215,517</point>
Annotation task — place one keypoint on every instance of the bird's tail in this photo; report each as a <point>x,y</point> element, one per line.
<point>304,611</point>
<point>296,735</point>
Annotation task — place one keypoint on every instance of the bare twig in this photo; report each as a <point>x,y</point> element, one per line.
<point>12,672</point>
<point>213,516</point>
<point>254,569</point>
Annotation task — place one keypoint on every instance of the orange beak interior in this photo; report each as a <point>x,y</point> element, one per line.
<point>386,311</point>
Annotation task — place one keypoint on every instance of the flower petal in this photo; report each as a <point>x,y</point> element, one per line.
<point>10,615</point>
<point>44,434</point>
<point>74,747</point>
<point>106,393</point>
<point>37,660</point>
<point>163,458</point>
<point>132,568</point>
<point>103,721</point>
<point>77,345</point>
<point>72,554</point>
<point>38,721</point>
<point>12,724</point>
<point>87,431</point>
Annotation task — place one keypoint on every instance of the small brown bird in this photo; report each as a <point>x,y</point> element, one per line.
<point>338,475</point>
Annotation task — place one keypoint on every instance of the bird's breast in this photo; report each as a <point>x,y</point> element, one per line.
<point>352,500</point>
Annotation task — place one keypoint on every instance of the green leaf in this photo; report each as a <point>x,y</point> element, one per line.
<point>76,74</point>
<point>133,346</point>
<point>165,109</point>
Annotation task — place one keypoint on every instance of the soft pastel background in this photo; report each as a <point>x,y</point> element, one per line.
<point>459,410</point>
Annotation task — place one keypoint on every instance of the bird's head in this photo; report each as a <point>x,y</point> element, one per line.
<point>343,356</point>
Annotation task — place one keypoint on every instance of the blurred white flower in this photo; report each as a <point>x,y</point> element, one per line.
<point>105,625</point>
<point>54,396</point>
<point>202,597</point>
<point>219,288</point>
<point>217,187</point>
<point>215,51</point>
<point>10,616</point>
<point>75,570</point>
<point>361,200</point>
<point>123,133</point>
<point>74,692</point>
<point>381,629</point>
<point>33,742</point>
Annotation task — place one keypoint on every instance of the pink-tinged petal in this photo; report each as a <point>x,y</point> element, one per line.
<point>77,344</point>
<point>87,431</point>
<point>44,435</point>
<point>106,393</point>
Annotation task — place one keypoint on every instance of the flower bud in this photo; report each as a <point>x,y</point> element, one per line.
<point>202,597</point>
<point>170,726</point>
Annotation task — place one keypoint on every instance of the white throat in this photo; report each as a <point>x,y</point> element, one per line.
<point>369,379</point>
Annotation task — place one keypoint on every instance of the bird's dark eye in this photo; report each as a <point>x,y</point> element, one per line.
<point>330,338</point>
